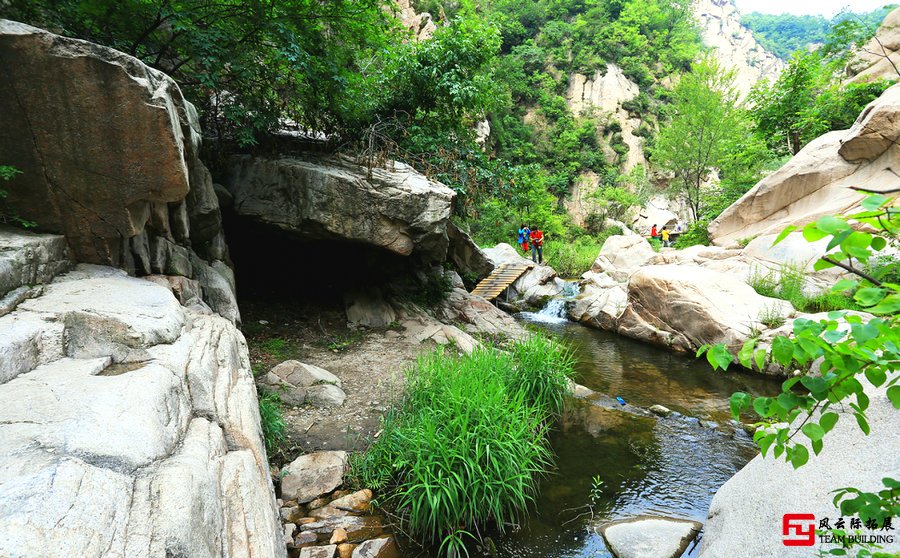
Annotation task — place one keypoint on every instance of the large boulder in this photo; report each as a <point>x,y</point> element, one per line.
<point>747,513</point>
<point>394,208</point>
<point>468,258</point>
<point>819,180</point>
<point>622,255</point>
<point>599,307</point>
<point>109,153</point>
<point>683,307</point>
<point>129,426</point>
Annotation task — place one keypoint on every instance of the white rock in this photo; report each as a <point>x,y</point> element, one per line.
<point>622,255</point>
<point>31,259</point>
<point>313,475</point>
<point>325,395</point>
<point>650,537</point>
<point>745,517</point>
<point>384,547</point>
<point>318,551</point>
<point>301,374</point>
<point>368,309</point>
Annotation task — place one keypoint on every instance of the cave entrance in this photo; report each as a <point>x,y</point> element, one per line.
<point>274,266</point>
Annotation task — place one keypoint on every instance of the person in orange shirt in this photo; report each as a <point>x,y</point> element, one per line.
<point>537,245</point>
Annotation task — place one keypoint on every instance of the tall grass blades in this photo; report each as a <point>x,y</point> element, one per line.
<point>542,371</point>
<point>272,419</point>
<point>467,443</point>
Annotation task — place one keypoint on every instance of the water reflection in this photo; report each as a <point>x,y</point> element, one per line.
<point>651,466</point>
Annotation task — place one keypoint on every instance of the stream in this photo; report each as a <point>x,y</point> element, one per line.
<point>649,466</point>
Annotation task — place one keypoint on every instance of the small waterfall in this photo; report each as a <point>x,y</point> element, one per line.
<point>555,310</point>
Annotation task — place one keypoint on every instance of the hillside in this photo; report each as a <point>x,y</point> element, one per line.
<point>785,34</point>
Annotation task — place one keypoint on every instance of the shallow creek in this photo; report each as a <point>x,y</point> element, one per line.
<point>649,466</point>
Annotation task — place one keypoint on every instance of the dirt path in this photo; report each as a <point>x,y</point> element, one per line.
<point>370,365</point>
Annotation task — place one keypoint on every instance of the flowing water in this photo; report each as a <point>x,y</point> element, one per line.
<point>649,466</point>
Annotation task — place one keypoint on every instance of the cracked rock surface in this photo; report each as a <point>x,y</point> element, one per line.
<point>129,427</point>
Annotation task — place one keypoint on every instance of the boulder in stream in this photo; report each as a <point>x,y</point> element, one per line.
<point>650,537</point>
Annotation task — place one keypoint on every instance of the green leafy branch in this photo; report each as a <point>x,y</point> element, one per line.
<point>846,346</point>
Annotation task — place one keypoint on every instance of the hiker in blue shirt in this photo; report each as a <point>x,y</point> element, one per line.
<point>524,234</point>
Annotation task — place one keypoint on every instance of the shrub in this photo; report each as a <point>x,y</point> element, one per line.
<point>271,417</point>
<point>466,444</point>
<point>655,243</point>
<point>696,234</point>
<point>571,259</point>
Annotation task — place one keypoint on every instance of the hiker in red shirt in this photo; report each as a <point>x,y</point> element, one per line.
<point>537,245</point>
<point>653,233</point>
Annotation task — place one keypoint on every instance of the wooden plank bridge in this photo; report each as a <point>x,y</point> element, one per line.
<point>502,277</point>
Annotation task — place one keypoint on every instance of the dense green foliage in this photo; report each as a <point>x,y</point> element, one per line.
<point>833,358</point>
<point>807,100</point>
<point>786,34</point>
<point>467,443</point>
<point>350,72</point>
<point>696,140</point>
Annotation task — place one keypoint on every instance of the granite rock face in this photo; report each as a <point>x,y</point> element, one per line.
<point>129,427</point>
<point>109,154</point>
<point>880,57</point>
<point>745,516</point>
<point>818,180</point>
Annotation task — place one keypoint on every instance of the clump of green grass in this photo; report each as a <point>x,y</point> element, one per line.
<point>572,258</point>
<point>276,347</point>
<point>788,284</point>
<point>271,415</point>
<point>466,445</point>
<point>771,317</point>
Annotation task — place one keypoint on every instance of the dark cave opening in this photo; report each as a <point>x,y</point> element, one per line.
<point>273,265</point>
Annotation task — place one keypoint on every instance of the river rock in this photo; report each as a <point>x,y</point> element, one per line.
<point>318,551</point>
<point>312,475</point>
<point>110,157</point>
<point>384,547</point>
<point>650,537</point>
<point>621,255</point>
<point>683,307</point>
<point>357,502</point>
<point>746,514</point>
<point>393,208</point>
<point>660,410</point>
<point>139,436</point>
<point>357,527</point>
